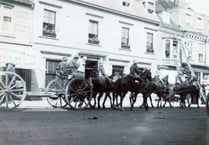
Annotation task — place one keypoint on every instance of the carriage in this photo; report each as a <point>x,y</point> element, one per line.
<point>60,92</point>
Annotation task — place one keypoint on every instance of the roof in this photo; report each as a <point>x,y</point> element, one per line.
<point>162,5</point>
<point>25,2</point>
<point>135,10</point>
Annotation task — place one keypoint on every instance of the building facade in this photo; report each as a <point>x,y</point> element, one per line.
<point>37,34</point>
<point>119,32</point>
<point>183,27</point>
<point>16,37</point>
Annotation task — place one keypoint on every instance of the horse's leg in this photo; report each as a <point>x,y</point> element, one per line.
<point>104,101</point>
<point>121,101</point>
<point>98,100</point>
<point>107,95</point>
<point>132,100</point>
<point>92,102</point>
<point>150,98</point>
<point>145,102</point>
<point>159,102</point>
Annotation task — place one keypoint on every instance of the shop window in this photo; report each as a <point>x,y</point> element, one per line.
<point>51,66</point>
<point>117,68</point>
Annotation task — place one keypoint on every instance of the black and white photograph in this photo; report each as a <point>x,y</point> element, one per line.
<point>104,72</point>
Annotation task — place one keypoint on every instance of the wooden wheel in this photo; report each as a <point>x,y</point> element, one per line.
<point>77,93</point>
<point>12,90</point>
<point>56,89</point>
<point>207,104</point>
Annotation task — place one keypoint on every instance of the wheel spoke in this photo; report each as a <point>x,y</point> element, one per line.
<point>2,84</point>
<point>2,98</point>
<point>16,84</point>
<point>12,100</point>
<point>17,90</point>
<point>16,95</point>
<point>6,79</point>
<point>12,80</point>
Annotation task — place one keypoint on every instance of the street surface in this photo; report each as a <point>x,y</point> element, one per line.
<point>49,126</point>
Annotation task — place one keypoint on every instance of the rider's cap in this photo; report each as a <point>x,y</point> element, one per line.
<point>10,63</point>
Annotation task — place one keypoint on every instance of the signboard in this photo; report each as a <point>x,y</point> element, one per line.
<point>22,56</point>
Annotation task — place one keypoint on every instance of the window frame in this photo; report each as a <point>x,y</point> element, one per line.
<point>4,14</point>
<point>93,38</point>
<point>49,32</point>
<point>149,49</point>
<point>125,35</point>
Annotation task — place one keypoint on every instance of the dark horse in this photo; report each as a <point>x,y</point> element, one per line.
<point>100,86</point>
<point>160,87</point>
<point>129,84</point>
<point>184,90</point>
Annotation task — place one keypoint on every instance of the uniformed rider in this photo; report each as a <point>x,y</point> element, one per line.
<point>134,71</point>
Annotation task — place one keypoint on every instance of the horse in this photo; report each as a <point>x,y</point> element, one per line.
<point>100,85</point>
<point>129,84</point>
<point>157,86</point>
<point>162,90</point>
<point>184,90</point>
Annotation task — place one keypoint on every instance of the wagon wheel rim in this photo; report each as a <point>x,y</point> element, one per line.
<point>12,90</point>
<point>56,90</point>
<point>77,94</point>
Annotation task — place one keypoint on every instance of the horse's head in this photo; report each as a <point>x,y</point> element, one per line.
<point>146,75</point>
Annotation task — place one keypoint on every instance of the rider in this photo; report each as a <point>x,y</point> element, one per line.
<point>74,64</point>
<point>115,76</point>
<point>134,71</point>
<point>180,76</point>
<point>10,67</point>
<point>62,67</point>
<point>101,74</point>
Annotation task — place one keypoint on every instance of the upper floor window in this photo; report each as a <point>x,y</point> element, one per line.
<point>93,32</point>
<point>167,48</point>
<point>125,38</point>
<point>201,53</point>
<point>188,20</point>
<point>126,3</point>
<point>49,20</point>
<point>6,19</point>
<point>175,49</point>
<point>188,46</point>
<point>199,23</point>
<point>150,7</point>
<point>149,43</point>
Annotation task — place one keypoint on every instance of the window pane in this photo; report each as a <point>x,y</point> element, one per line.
<point>49,23</point>
<point>149,44</point>
<point>167,48</point>
<point>93,27</point>
<point>125,36</point>
<point>93,32</point>
<point>7,24</point>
